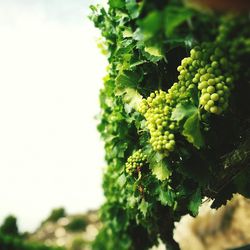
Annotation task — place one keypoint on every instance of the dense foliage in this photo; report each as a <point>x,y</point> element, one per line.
<point>12,239</point>
<point>8,242</point>
<point>175,116</point>
<point>9,226</point>
<point>78,223</point>
<point>56,214</point>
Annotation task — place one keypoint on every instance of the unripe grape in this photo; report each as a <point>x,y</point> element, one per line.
<point>219,86</point>
<point>215,97</point>
<point>168,146</point>
<point>221,100</point>
<point>211,82</point>
<point>171,136</point>
<point>202,85</point>
<point>210,103</point>
<point>158,116</point>
<point>220,92</point>
<point>203,101</point>
<point>214,110</point>
<point>206,96</point>
<point>210,89</point>
<point>207,107</point>
<point>214,64</point>
<point>202,71</point>
<point>135,162</point>
<point>180,68</point>
<point>210,70</point>
<point>172,126</point>
<point>229,80</point>
<point>223,61</point>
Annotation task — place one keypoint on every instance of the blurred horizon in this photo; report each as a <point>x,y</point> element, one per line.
<point>51,72</point>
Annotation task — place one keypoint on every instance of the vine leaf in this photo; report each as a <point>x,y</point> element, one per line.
<point>133,8</point>
<point>166,196</point>
<point>144,207</point>
<point>122,180</point>
<point>126,82</point>
<point>151,24</point>
<point>159,165</point>
<point>132,201</point>
<point>154,51</point>
<point>183,110</point>
<point>161,170</point>
<point>195,202</point>
<point>132,99</point>
<point>175,16</point>
<point>116,3</point>
<point>192,131</point>
<point>127,78</point>
<point>189,113</point>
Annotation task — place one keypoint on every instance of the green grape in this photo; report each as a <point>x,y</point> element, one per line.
<point>157,112</point>
<point>135,162</point>
<point>210,71</point>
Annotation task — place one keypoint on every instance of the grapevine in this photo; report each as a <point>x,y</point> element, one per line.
<point>207,71</point>
<point>175,117</point>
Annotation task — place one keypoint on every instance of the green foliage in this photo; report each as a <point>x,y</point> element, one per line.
<point>78,244</point>
<point>192,131</point>
<point>56,214</point>
<point>174,17</point>
<point>176,92</point>
<point>77,224</point>
<point>11,243</point>
<point>9,226</point>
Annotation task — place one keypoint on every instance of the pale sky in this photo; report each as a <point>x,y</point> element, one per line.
<point>51,71</point>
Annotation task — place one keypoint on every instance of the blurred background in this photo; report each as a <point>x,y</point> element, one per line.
<point>50,75</point>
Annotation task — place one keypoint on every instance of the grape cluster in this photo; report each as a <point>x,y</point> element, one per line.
<point>135,161</point>
<point>209,70</point>
<point>157,109</point>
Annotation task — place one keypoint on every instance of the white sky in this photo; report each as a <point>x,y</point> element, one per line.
<point>50,75</point>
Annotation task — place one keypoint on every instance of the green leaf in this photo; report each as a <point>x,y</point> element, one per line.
<point>161,170</point>
<point>133,8</point>
<point>166,197</point>
<point>174,16</point>
<point>122,180</point>
<point>158,157</point>
<point>151,24</point>
<point>119,4</point>
<point>192,131</point>
<point>144,207</point>
<point>132,99</point>
<point>127,33</point>
<point>195,203</point>
<point>154,51</point>
<point>127,79</point>
<point>132,201</point>
<point>133,65</point>
<point>183,110</point>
